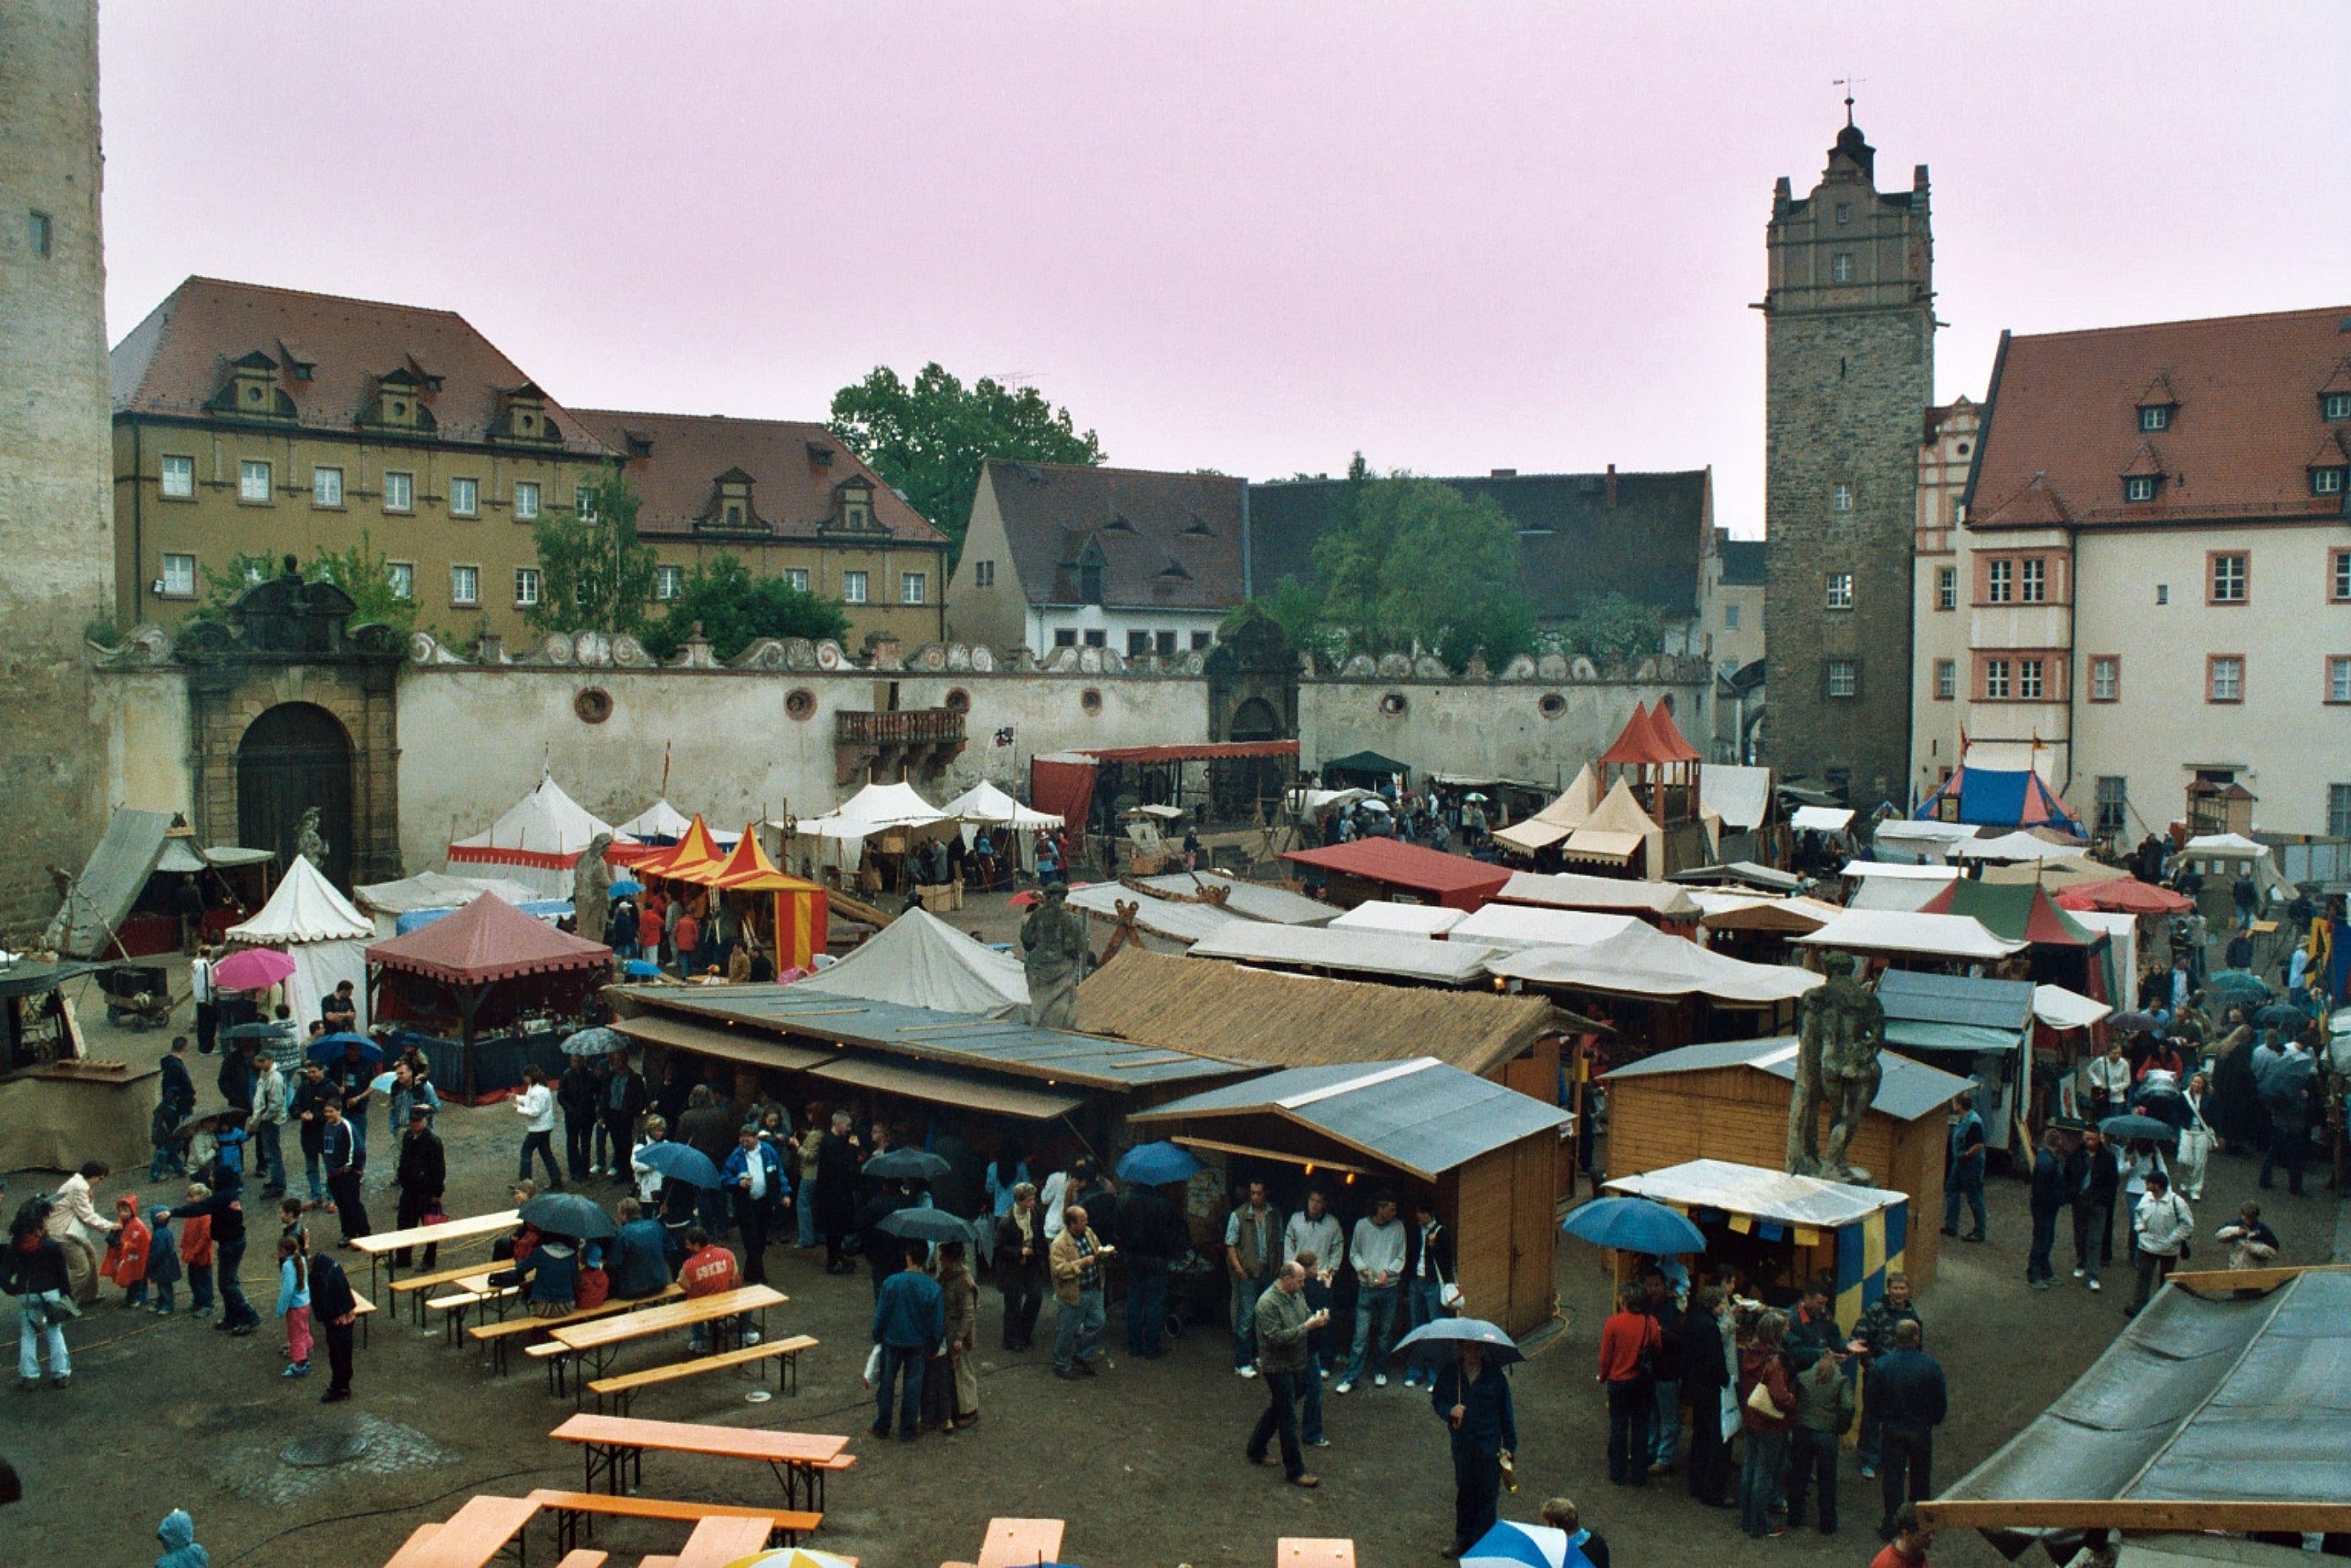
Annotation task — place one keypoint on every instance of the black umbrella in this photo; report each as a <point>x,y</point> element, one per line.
<point>260,1031</point>
<point>1443,1339</point>
<point>570,1214</point>
<point>2281,1014</point>
<point>186,1125</point>
<point>926,1225</point>
<point>2135,1023</point>
<point>2130,1129</point>
<point>906,1165</point>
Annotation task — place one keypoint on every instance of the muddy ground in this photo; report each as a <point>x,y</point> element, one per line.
<point>1145,1463</point>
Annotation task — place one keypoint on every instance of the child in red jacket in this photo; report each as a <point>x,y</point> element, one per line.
<point>196,1254</point>
<point>126,1255</point>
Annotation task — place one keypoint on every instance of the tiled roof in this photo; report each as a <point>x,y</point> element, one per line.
<point>2245,419</point>
<point>1742,563</point>
<point>178,360</point>
<point>1580,535</point>
<point>1166,541</point>
<point>676,461</point>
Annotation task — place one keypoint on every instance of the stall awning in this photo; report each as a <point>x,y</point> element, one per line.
<point>729,1044</point>
<point>1921,1034</point>
<point>917,1082</point>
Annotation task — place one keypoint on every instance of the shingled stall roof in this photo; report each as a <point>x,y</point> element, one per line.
<point>1421,1115</point>
<point>1163,540</point>
<point>951,1041</point>
<point>329,357</point>
<point>2245,425</point>
<point>1906,1090</point>
<point>1580,535</point>
<point>1305,1020</point>
<point>789,471</point>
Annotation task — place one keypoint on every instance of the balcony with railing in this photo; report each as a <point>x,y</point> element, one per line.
<point>910,743</point>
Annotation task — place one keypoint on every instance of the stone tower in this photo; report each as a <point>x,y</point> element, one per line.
<point>1849,351</point>
<point>56,512</point>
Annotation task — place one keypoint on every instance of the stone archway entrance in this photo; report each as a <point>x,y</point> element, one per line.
<point>295,757</point>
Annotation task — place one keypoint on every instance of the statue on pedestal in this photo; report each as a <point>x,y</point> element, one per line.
<point>591,889</point>
<point>1053,955</point>
<point>308,842</point>
<point>1841,1029</point>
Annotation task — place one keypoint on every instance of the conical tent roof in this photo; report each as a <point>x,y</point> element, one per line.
<point>2017,911</point>
<point>748,869</point>
<point>985,804</point>
<point>1650,739</point>
<point>872,810</point>
<point>305,907</point>
<point>1556,820</point>
<point>919,961</point>
<point>660,823</point>
<point>546,828</point>
<point>695,857</point>
<point>489,940</point>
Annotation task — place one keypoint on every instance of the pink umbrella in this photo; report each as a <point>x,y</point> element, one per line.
<point>252,969</point>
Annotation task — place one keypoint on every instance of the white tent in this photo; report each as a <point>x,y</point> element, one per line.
<point>920,961</point>
<point>985,806</point>
<point>388,901</point>
<point>1415,919</point>
<point>657,822</point>
<point>2231,846</point>
<point>1643,961</point>
<point>1402,957</point>
<point>1554,821</point>
<point>1178,920</point>
<point>2063,1009</point>
<point>1922,837</point>
<point>1514,925</point>
<point>2017,846</point>
<point>537,842</point>
<point>838,837</point>
<point>1571,890</point>
<point>1892,871</point>
<point>1741,797</point>
<point>2121,929</point>
<point>1822,819</point>
<point>1918,936</point>
<point>311,923</point>
<point>1906,894</point>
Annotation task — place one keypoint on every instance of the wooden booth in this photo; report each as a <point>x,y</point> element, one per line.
<point>1485,1153</point>
<point>1795,1227</point>
<point>58,1107</point>
<point>1728,1102</point>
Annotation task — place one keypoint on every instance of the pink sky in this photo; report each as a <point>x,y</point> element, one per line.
<point>1246,237</point>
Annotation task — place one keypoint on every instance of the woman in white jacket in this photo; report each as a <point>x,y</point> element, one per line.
<point>2163,1223</point>
<point>2196,1141</point>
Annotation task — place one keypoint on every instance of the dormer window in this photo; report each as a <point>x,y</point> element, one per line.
<point>2140,486</point>
<point>852,503</point>
<point>252,390</point>
<point>522,416</point>
<point>1200,527</point>
<point>819,454</point>
<point>399,401</point>
<point>1089,574</point>
<point>2328,481</point>
<point>2335,406</point>
<point>2144,479</point>
<point>1119,524</point>
<point>2155,417</point>
<point>2157,405</point>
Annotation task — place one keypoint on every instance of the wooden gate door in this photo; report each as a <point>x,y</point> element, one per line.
<point>296,755</point>
<point>1534,1238</point>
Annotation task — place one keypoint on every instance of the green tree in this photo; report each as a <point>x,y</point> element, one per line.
<point>929,439</point>
<point>361,571</point>
<point>1613,628</point>
<point>1413,565</point>
<point>1296,607</point>
<point>736,608</point>
<point>595,575</point>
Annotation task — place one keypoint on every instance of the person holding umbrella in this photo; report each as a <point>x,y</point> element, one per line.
<point>754,1173</point>
<point>1471,1395</point>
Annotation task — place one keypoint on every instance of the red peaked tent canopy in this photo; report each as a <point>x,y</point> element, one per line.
<point>1650,739</point>
<point>489,963</point>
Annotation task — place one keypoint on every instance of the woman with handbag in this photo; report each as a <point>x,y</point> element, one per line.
<point>2196,1142</point>
<point>1630,1344</point>
<point>1769,1403</point>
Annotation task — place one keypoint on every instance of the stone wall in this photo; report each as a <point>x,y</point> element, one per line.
<point>1539,721</point>
<point>56,519</point>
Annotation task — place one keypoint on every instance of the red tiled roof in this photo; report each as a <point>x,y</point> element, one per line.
<point>1406,866</point>
<point>1167,539</point>
<point>794,466</point>
<point>178,359</point>
<point>2063,414</point>
<point>489,940</point>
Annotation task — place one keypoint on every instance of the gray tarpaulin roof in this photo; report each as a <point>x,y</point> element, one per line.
<point>1954,1012</point>
<point>1353,952</point>
<point>1906,1090</point>
<point>1752,1189</point>
<point>110,884</point>
<point>1422,1115</point>
<point>2244,1400</point>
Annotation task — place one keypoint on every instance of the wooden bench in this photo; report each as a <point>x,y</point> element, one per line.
<point>575,1515</point>
<point>362,1309</point>
<point>583,1558</point>
<point>1020,1542</point>
<point>598,1342</point>
<point>495,1334</point>
<point>785,1353</point>
<point>1314,1551</point>
<point>474,1290</point>
<point>612,1450</point>
<point>379,1245</point>
<point>470,1538</point>
<point>412,1286</point>
<point>715,1542</point>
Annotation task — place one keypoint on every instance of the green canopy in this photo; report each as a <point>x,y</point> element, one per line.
<point>1365,762</point>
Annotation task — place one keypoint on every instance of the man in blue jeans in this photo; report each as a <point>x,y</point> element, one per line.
<point>1376,1251</point>
<point>909,1321</point>
<point>1428,1269</point>
<point>1967,1168</point>
<point>1253,1260</point>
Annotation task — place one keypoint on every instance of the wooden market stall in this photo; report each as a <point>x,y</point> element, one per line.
<point>58,1108</point>
<point>1728,1102</point>
<point>1662,992</point>
<point>1367,869</point>
<point>797,908</point>
<point>1790,1227</point>
<point>1975,1027</point>
<point>1484,1152</point>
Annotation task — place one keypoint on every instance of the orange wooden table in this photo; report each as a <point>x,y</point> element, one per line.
<point>469,1538</point>
<point>1021,1543</point>
<point>614,1448</point>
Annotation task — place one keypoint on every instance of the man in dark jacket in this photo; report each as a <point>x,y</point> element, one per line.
<point>883,1252</point>
<point>1152,1246</point>
<point>2048,1202</point>
<point>311,1093</point>
<point>643,1257</point>
<point>709,1125</point>
<point>1473,1397</point>
<point>1874,1331</point>
<point>1428,1269</point>
<point>576,1095</point>
<point>1706,1372</point>
<point>334,1309</point>
<point>1665,1388</point>
<point>339,1151</point>
<point>624,1101</point>
<point>2092,1178</point>
<point>422,1173</point>
<point>836,1160</point>
<point>1280,1324</point>
<point>908,1322</point>
<point>1906,1387</point>
<point>225,1208</point>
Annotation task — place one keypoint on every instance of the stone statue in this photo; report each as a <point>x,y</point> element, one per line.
<point>591,883</point>
<point>308,842</point>
<point>1053,955</point>
<point>1840,1030</point>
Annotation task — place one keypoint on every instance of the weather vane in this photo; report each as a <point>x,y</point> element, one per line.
<point>1849,83</point>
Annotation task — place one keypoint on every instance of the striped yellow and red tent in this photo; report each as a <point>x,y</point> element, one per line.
<point>695,858</point>
<point>800,905</point>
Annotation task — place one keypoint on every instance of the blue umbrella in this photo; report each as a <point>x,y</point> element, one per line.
<point>1510,1545</point>
<point>641,968</point>
<point>1635,1225</point>
<point>1158,1165</point>
<point>680,1162</point>
<point>1440,1340</point>
<point>627,887</point>
<point>328,1048</point>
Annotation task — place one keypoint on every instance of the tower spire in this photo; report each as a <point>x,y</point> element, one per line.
<point>1848,83</point>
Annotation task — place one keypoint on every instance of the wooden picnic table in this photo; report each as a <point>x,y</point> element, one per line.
<point>599,1338</point>
<point>1021,1543</point>
<point>470,1538</point>
<point>379,1245</point>
<point>715,1542</point>
<point>614,1448</point>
